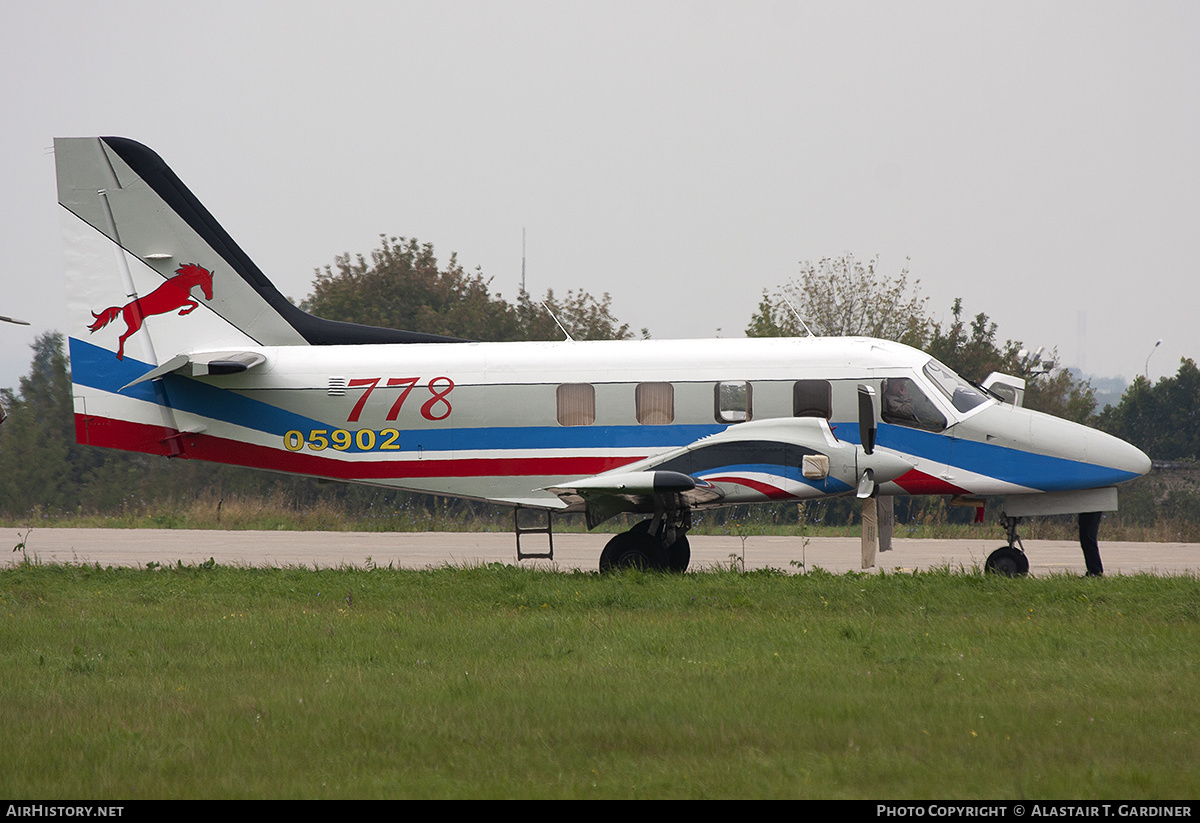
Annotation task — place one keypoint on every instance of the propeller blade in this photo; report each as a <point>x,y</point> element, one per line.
<point>887,521</point>
<point>870,532</point>
<point>866,418</point>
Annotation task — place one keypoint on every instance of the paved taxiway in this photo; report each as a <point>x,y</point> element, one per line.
<point>138,547</point>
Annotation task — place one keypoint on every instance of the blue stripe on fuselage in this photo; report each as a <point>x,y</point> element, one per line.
<point>99,368</point>
<point>1022,468</point>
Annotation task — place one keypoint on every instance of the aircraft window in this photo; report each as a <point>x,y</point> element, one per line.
<point>576,404</point>
<point>655,403</point>
<point>733,401</point>
<point>812,398</point>
<point>905,404</point>
<point>1006,392</point>
<point>962,394</point>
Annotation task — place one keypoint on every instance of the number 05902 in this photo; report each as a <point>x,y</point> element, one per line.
<point>363,440</point>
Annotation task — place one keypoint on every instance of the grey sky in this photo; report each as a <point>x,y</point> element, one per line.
<point>1037,159</point>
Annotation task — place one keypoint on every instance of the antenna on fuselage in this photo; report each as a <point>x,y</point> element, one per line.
<point>798,317</point>
<point>561,327</point>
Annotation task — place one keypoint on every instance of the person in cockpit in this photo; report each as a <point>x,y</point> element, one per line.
<point>897,402</point>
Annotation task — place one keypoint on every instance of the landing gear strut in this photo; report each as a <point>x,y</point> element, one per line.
<point>1009,560</point>
<point>659,543</point>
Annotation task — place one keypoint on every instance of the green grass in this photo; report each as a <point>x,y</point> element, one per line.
<point>219,682</point>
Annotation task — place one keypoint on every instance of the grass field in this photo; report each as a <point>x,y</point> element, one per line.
<point>220,682</point>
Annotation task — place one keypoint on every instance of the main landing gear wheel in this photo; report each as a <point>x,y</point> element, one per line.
<point>1008,561</point>
<point>633,550</point>
<point>639,548</point>
<point>679,554</point>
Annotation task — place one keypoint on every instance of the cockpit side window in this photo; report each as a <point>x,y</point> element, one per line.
<point>904,403</point>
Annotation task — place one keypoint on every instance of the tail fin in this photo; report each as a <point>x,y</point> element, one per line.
<point>140,248</point>
<point>116,192</point>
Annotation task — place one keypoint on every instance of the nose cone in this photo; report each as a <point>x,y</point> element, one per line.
<point>1108,460</point>
<point>1119,455</point>
<point>1038,451</point>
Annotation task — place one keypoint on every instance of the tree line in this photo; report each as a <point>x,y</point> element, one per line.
<point>848,297</point>
<point>402,285</point>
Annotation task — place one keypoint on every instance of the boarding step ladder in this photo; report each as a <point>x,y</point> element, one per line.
<point>547,530</point>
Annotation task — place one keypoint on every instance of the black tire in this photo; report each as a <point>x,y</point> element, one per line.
<point>1008,561</point>
<point>633,549</point>
<point>642,526</point>
<point>679,554</point>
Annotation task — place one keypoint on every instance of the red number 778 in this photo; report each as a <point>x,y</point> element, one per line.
<point>408,383</point>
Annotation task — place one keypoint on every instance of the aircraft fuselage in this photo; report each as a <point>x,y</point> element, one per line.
<point>505,421</point>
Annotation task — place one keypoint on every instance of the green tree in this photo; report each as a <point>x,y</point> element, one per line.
<point>40,462</point>
<point>972,353</point>
<point>403,287</point>
<point>1161,419</point>
<point>975,354</point>
<point>581,315</point>
<point>844,297</point>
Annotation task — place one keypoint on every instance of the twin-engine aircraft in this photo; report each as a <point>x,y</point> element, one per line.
<point>181,347</point>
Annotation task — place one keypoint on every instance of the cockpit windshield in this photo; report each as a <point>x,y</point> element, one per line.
<point>963,396</point>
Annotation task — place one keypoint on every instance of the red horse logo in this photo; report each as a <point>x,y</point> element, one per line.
<point>176,293</point>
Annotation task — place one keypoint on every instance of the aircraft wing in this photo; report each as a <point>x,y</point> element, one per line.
<point>791,458</point>
<point>605,495</point>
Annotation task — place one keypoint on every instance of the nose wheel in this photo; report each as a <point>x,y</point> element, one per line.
<point>1009,560</point>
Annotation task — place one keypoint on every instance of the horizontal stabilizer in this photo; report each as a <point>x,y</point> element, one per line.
<point>204,363</point>
<point>174,364</point>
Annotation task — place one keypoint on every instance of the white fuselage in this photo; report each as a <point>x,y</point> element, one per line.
<point>505,421</point>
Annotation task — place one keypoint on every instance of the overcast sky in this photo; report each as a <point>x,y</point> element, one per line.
<point>1037,159</point>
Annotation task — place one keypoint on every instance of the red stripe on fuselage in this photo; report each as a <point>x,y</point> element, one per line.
<point>915,482</point>
<point>140,437</point>
<point>773,492</point>
<point>121,434</point>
